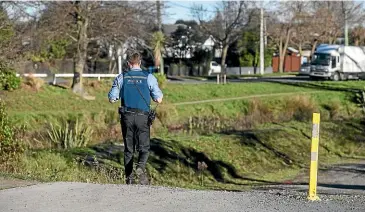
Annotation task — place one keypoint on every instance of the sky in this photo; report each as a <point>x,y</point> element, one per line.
<point>180,10</point>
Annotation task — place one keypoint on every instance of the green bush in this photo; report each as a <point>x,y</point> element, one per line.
<point>10,147</point>
<point>8,79</point>
<point>161,79</point>
<point>70,135</point>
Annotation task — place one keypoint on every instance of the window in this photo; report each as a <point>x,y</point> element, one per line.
<point>334,62</point>
<point>214,64</point>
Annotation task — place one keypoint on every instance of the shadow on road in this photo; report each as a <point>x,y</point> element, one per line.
<point>342,186</point>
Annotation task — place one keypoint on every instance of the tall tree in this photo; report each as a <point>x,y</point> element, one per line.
<point>86,21</point>
<point>226,25</point>
<point>358,36</point>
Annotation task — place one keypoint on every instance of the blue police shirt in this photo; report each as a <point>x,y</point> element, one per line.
<point>117,87</point>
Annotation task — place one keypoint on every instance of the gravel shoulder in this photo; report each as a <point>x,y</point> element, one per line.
<point>93,197</point>
<point>6,182</point>
<point>341,188</point>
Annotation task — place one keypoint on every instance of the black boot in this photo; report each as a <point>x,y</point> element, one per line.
<point>129,180</point>
<point>142,177</point>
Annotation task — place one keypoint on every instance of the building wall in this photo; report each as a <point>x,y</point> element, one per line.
<point>291,63</point>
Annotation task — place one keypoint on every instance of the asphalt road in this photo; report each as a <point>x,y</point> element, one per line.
<point>342,188</point>
<point>290,79</point>
<point>286,79</point>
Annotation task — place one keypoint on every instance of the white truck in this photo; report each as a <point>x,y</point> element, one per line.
<point>338,62</point>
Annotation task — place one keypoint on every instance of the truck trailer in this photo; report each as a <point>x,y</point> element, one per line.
<point>338,62</point>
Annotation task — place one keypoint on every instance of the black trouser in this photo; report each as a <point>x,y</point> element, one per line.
<point>136,133</point>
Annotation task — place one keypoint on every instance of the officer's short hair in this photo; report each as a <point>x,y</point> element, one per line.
<point>134,58</point>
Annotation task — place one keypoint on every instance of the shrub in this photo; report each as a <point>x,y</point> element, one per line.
<point>359,99</point>
<point>166,113</point>
<point>334,108</point>
<point>257,113</point>
<point>161,79</point>
<point>33,82</point>
<point>8,79</point>
<point>10,147</point>
<point>70,135</point>
<point>300,108</point>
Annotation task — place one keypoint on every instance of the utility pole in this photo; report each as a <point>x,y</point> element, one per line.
<point>261,41</point>
<point>159,25</point>
<point>265,33</point>
<point>344,10</point>
<point>346,31</point>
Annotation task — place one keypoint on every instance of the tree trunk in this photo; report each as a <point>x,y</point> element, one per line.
<point>80,57</point>
<point>283,49</point>
<point>281,56</point>
<point>300,48</point>
<point>224,55</point>
<point>357,42</point>
<point>162,69</point>
<point>314,45</point>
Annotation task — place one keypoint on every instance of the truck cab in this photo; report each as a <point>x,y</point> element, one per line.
<point>325,63</point>
<point>337,62</point>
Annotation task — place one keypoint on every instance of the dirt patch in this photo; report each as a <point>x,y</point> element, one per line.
<point>6,183</point>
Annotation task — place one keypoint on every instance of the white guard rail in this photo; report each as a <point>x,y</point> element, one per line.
<point>71,75</point>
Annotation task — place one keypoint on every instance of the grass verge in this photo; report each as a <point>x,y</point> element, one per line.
<point>235,160</point>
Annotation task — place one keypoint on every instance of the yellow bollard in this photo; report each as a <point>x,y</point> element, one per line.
<point>312,194</point>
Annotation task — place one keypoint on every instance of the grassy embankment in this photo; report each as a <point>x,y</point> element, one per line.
<point>243,142</point>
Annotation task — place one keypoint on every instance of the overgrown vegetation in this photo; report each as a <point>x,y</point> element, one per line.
<point>33,83</point>
<point>161,79</point>
<point>8,79</point>
<point>237,140</point>
<point>10,146</point>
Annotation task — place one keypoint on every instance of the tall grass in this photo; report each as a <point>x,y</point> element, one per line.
<point>299,108</point>
<point>70,135</point>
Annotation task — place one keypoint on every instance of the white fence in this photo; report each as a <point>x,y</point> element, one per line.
<point>71,75</point>
<point>55,76</point>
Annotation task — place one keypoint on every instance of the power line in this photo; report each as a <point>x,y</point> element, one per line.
<point>191,8</point>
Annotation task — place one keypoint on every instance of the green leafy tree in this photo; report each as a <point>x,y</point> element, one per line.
<point>249,47</point>
<point>53,49</point>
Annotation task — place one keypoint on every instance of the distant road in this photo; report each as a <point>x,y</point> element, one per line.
<point>287,79</point>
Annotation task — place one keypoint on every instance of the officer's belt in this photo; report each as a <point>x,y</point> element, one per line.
<point>135,110</point>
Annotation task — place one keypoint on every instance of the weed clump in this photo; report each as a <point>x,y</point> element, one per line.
<point>334,109</point>
<point>257,113</point>
<point>33,83</point>
<point>299,108</point>
<point>70,135</point>
<point>166,113</point>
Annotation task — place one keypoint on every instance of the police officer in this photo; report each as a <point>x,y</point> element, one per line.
<point>134,88</point>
